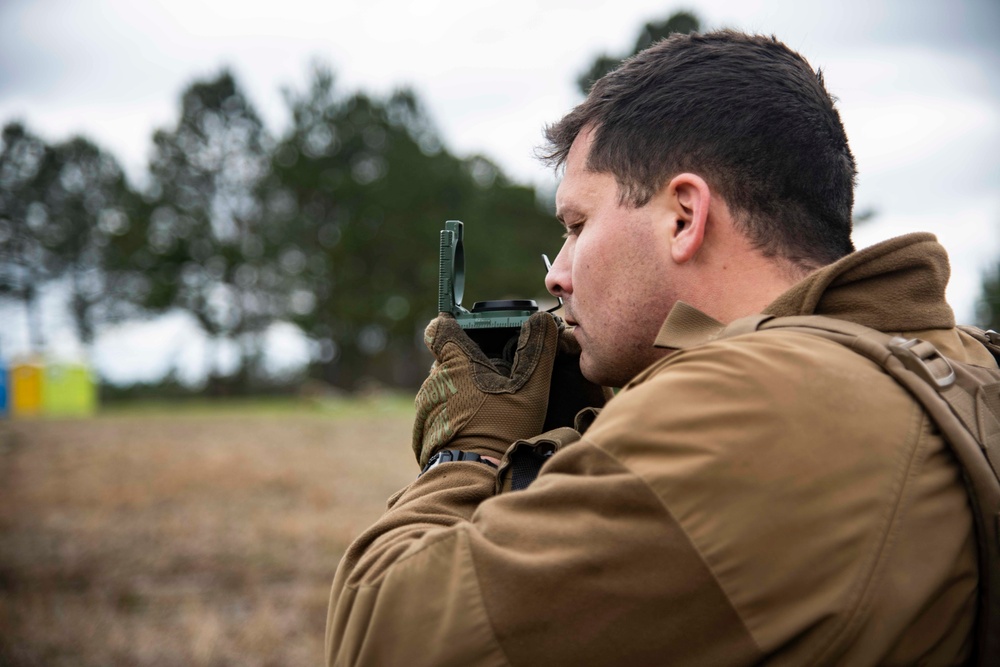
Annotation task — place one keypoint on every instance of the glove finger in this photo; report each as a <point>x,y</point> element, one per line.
<point>431,331</point>
<point>536,348</point>
<point>445,329</point>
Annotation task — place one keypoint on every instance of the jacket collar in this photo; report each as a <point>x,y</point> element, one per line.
<point>866,287</point>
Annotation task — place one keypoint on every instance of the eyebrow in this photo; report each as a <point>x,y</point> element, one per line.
<point>564,212</point>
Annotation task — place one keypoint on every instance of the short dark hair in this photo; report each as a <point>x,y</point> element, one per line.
<point>746,113</point>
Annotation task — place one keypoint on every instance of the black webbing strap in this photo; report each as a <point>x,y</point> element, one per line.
<point>523,461</point>
<point>525,465</point>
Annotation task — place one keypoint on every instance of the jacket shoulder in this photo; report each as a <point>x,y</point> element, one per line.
<point>787,458</point>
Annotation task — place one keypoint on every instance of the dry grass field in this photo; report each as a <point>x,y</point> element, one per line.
<point>196,537</point>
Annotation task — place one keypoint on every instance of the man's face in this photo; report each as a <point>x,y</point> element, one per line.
<point>612,272</point>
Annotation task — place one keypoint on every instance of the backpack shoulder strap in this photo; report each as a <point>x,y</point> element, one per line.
<point>990,339</point>
<point>963,400</point>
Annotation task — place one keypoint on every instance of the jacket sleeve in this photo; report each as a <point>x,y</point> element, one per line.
<point>584,567</point>
<point>406,592</point>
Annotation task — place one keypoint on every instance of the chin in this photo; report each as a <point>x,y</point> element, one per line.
<point>594,373</point>
<point>587,369</point>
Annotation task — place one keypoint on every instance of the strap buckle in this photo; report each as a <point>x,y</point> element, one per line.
<point>448,455</point>
<point>923,358</point>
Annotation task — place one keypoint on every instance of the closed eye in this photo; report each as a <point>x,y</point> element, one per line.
<point>573,230</point>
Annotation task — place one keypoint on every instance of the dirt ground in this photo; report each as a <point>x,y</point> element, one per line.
<point>184,539</point>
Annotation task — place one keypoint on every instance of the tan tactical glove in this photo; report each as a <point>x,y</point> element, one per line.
<point>469,403</point>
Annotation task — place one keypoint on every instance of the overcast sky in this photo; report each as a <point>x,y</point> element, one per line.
<point>918,83</point>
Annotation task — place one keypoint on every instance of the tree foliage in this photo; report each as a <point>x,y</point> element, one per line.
<point>650,33</point>
<point>361,187</point>
<point>66,214</point>
<point>207,250</point>
<point>988,311</point>
<point>23,222</point>
<point>89,209</point>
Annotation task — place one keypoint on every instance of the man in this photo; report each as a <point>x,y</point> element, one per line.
<point>770,497</point>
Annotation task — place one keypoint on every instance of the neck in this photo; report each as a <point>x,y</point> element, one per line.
<point>740,281</point>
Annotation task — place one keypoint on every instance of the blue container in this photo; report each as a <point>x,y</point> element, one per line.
<point>3,391</point>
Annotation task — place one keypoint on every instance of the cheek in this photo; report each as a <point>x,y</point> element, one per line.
<point>590,259</point>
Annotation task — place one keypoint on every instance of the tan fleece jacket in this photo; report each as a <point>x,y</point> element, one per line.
<point>770,498</point>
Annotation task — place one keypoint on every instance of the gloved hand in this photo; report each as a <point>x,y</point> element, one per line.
<point>469,403</point>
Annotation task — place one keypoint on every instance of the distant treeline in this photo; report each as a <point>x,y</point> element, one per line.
<point>331,226</point>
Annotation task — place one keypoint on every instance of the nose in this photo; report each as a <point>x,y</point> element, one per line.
<point>558,280</point>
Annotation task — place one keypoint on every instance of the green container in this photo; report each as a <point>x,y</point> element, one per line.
<point>68,391</point>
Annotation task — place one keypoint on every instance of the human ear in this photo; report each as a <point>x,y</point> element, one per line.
<point>688,196</point>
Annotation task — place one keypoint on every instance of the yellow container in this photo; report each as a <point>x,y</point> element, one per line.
<point>68,391</point>
<point>25,389</point>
